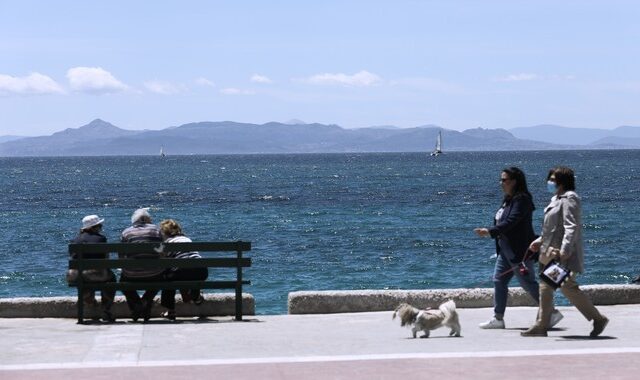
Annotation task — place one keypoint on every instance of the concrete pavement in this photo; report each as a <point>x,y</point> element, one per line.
<point>356,345</point>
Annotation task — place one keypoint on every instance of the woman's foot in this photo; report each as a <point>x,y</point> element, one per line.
<point>493,323</point>
<point>535,330</point>
<point>598,326</point>
<point>170,315</point>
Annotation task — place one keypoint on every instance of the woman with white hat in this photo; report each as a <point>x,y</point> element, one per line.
<point>91,233</point>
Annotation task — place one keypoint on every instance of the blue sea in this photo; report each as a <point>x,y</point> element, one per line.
<point>316,221</point>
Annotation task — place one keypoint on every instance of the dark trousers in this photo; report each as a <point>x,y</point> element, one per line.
<point>168,298</point>
<point>133,298</point>
<point>106,296</point>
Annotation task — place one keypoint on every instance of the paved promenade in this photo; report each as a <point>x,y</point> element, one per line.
<point>333,346</point>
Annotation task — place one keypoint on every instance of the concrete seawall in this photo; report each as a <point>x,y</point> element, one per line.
<point>216,304</point>
<point>350,301</point>
<point>314,302</point>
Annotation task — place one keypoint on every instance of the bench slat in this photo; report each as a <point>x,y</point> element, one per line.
<point>134,248</point>
<point>163,285</point>
<point>159,263</point>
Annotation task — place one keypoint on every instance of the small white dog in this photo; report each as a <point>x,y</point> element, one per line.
<point>429,319</point>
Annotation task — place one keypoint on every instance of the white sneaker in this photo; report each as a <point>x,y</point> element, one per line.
<point>556,317</point>
<point>492,324</point>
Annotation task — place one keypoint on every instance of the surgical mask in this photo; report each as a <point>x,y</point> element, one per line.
<point>552,187</point>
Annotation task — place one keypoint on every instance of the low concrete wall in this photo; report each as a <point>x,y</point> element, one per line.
<point>215,304</point>
<point>349,301</point>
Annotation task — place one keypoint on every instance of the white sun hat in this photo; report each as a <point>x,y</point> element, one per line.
<point>90,221</point>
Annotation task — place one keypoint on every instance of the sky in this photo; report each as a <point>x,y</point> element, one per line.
<point>456,64</point>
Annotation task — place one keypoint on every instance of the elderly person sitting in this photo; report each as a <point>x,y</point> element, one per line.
<point>172,233</point>
<point>91,233</point>
<point>141,231</point>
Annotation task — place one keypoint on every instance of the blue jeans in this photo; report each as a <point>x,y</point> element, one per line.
<point>501,283</point>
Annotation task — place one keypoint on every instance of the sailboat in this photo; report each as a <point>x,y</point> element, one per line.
<point>162,152</point>
<point>438,150</point>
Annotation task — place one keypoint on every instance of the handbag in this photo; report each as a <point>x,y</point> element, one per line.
<point>554,274</point>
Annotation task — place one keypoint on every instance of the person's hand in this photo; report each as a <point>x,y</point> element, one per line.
<point>563,256</point>
<point>482,232</point>
<point>555,253</point>
<point>535,246</point>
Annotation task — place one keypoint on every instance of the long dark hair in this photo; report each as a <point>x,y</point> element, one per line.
<point>521,188</point>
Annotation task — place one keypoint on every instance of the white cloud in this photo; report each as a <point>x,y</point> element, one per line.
<point>205,82</point>
<point>236,91</point>
<point>261,79</point>
<point>164,88</point>
<point>361,78</point>
<point>32,84</point>
<point>518,77</point>
<point>94,80</point>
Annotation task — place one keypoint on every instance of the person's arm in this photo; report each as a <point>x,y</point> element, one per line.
<point>521,207</point>
<point>570,210</point>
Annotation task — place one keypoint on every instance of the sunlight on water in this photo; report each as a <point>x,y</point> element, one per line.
<point>318,221</point>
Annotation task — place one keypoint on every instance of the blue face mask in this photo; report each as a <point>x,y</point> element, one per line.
<point>552,187</point>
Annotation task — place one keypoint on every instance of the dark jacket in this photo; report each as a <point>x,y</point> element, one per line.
<point>515,225</point>
<point>90,237</point>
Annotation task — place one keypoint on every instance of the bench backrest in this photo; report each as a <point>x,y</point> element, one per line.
<point>126,249</point>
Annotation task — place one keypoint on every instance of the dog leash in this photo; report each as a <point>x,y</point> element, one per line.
<point>521,267</point>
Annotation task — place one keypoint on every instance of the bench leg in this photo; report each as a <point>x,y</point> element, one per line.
<point>238,304</point>
<point>80,306</point>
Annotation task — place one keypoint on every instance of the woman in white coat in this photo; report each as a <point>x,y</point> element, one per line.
<point>561,240</point>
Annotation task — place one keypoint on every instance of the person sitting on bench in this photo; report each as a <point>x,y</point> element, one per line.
<point>141,231</point>
<point>172,233</point>
<point>91,233</point>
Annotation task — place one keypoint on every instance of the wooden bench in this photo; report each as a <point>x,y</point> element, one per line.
<point>236,261</point>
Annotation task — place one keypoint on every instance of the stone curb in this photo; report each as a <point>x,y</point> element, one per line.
<point>216,304</point>
<point>351,301</point>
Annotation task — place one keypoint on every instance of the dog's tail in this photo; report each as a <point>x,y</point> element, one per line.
<point>449,310</point>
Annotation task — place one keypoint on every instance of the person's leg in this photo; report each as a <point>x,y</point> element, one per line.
<point>545,309</point>
<point>199,274</point>
<point>89,297</point>
<point>106,298</point>
<point>501,277</point>
<point>500,294</point>
<point>571,290</point>
<point>528,281</point>
<point>132,297</point>
<point>168,298</point>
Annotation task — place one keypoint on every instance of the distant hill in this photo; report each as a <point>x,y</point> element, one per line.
<point>10,138</point>
<point>227,137</point>
<point>574,136</point>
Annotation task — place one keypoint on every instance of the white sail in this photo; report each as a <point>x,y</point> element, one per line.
<point>438,150</point>
<point>162,152</point>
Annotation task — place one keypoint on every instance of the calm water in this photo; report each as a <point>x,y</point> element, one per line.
<point>334,221</point>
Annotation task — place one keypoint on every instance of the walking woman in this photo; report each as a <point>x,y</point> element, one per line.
<point>561,240</point>
<point>513,232</point>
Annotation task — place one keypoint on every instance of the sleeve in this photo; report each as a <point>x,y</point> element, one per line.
<point>570,210</point>
<point>521,207</point>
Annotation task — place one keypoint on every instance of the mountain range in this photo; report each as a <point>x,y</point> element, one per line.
<point>100,138</point>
